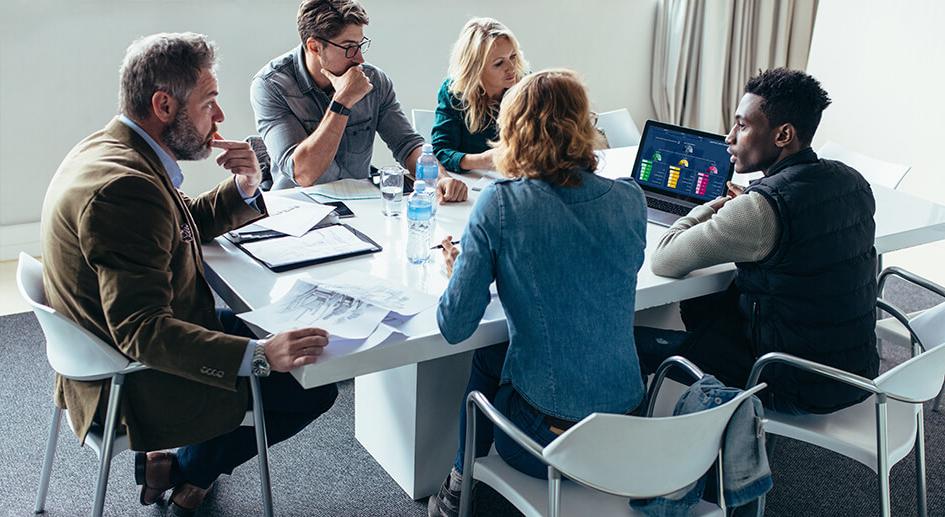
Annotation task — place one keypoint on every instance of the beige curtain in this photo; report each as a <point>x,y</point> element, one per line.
<point>706,50</point>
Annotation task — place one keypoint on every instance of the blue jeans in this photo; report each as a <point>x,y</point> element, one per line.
<point>288,408</point>
<point>484,377</point>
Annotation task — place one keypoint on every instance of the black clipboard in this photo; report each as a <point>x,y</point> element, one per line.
<point>287,266</point>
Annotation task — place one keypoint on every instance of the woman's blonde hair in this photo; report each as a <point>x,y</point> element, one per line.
<point>467,62</point>
<point>545,129</point>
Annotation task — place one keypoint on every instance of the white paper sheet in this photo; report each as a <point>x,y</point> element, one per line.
<point>380,292</point>
<point>329,241</point>
<point>291,216</point>
<point>616,162</point>
<point>345,189</point>
<point>310,305</point>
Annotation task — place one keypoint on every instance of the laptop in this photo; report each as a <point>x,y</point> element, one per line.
<point>679,168</point>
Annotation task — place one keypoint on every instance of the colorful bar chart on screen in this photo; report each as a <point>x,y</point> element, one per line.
<point>673,177</point>
<point>702,183</point>
<point>645,169</point>
<point>682,163</point>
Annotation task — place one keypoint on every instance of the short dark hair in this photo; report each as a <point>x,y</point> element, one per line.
<point>325,19</point>
<point>790,96</point>
<point>165,62</point>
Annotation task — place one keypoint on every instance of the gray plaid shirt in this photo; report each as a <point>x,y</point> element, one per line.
<point>289,106</point>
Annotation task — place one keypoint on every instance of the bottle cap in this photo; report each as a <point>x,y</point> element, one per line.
<point>427,148</point>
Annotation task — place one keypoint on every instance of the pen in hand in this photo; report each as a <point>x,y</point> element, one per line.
<point>440,246</point>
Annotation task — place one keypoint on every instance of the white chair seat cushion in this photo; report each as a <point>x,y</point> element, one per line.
<point>851,431</point>
<point>530,495</point>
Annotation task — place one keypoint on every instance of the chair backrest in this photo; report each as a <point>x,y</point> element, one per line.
<point>919,379</point>
<point>930,326</point>
<point>423,123</point>
<point>619,128</point>
<point>71,350</point>
<point>262,156</point>
<point>877,172</point>
<point>642,457</point>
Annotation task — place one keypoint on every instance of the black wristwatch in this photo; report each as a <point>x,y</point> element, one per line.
<point>339,108</point>
<point>260,365</point>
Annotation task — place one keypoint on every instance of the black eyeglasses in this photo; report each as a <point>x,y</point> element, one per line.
<point>351,50</point>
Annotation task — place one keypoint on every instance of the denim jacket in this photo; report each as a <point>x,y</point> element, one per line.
<point>565,262</point>
<point>745,472</point>
<point>289,106</point>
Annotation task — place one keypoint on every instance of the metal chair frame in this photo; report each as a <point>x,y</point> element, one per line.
<point>869,386</point>
<point>106,450</point>
<point>477,401</point>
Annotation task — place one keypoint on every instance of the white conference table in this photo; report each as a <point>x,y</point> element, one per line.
<point>408,392</point>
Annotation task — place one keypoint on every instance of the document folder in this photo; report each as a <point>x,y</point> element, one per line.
<point>322,244</point>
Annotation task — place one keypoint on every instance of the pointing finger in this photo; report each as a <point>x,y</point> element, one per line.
<point>229,144</point>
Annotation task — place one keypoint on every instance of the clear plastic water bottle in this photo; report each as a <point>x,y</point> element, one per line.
<point>419,223</point>
<point>427,171</point>
<point>427,166</point>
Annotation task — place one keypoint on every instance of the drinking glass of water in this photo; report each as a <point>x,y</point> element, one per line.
<point>392,189</point>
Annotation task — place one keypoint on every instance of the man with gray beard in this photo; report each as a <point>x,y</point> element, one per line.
<point>122,258</point>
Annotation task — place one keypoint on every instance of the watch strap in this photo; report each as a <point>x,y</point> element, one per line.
<point>339,108</point>
<point>260,364</point>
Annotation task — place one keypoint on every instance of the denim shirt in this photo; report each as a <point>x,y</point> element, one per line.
<point>565,263</point>
<point>289,107</point>
<point>746,475</point>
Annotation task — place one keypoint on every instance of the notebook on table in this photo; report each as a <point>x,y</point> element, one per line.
<point>679,168</point>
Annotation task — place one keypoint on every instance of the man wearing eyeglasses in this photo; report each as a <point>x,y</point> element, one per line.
<point>319,105</point>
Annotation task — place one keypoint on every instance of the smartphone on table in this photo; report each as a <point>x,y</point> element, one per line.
<point>340,208</point>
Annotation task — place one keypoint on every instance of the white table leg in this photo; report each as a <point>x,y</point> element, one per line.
<point>407,418</point>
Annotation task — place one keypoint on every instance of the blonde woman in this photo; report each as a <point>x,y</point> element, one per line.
<point>486,61</point>
<point>563,247</point>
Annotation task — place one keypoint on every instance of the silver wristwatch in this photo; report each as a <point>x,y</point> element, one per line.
<point>260,363</point>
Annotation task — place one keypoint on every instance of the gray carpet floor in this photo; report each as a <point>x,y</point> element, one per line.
<point>325,471</point>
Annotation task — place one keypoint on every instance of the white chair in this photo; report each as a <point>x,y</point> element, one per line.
<point>925,325</point>
<point>878,432</point>
<point>77,354</point>
<point>877,172</point>
<point>618,127</point>
<point>607,459</point>
<point>423,123</point>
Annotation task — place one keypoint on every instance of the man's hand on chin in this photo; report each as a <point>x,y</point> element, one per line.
<point>238,157</point>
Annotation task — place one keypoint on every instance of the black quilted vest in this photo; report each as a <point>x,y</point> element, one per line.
<point>814,295</point>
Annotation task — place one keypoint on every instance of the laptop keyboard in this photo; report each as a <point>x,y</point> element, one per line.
<point>666,206</point>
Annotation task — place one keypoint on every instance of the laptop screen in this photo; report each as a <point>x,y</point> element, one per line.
<point>682,163</point>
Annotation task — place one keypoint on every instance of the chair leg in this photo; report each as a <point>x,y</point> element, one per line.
<point>262,445</point>
<point>921,494</point>
<point>105,462</point>
<point>882,455</point>
<point>469,460</point>
<point>720,483</point>
<point>51,441</point>
<point>879,269</point>
<point>554,492</point>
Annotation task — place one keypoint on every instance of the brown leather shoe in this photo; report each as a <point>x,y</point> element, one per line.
<point>156,472</point>
<point>186,498</point>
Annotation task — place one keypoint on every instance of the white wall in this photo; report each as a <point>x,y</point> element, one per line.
<point>882,63</point>
<point>59,67</point>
